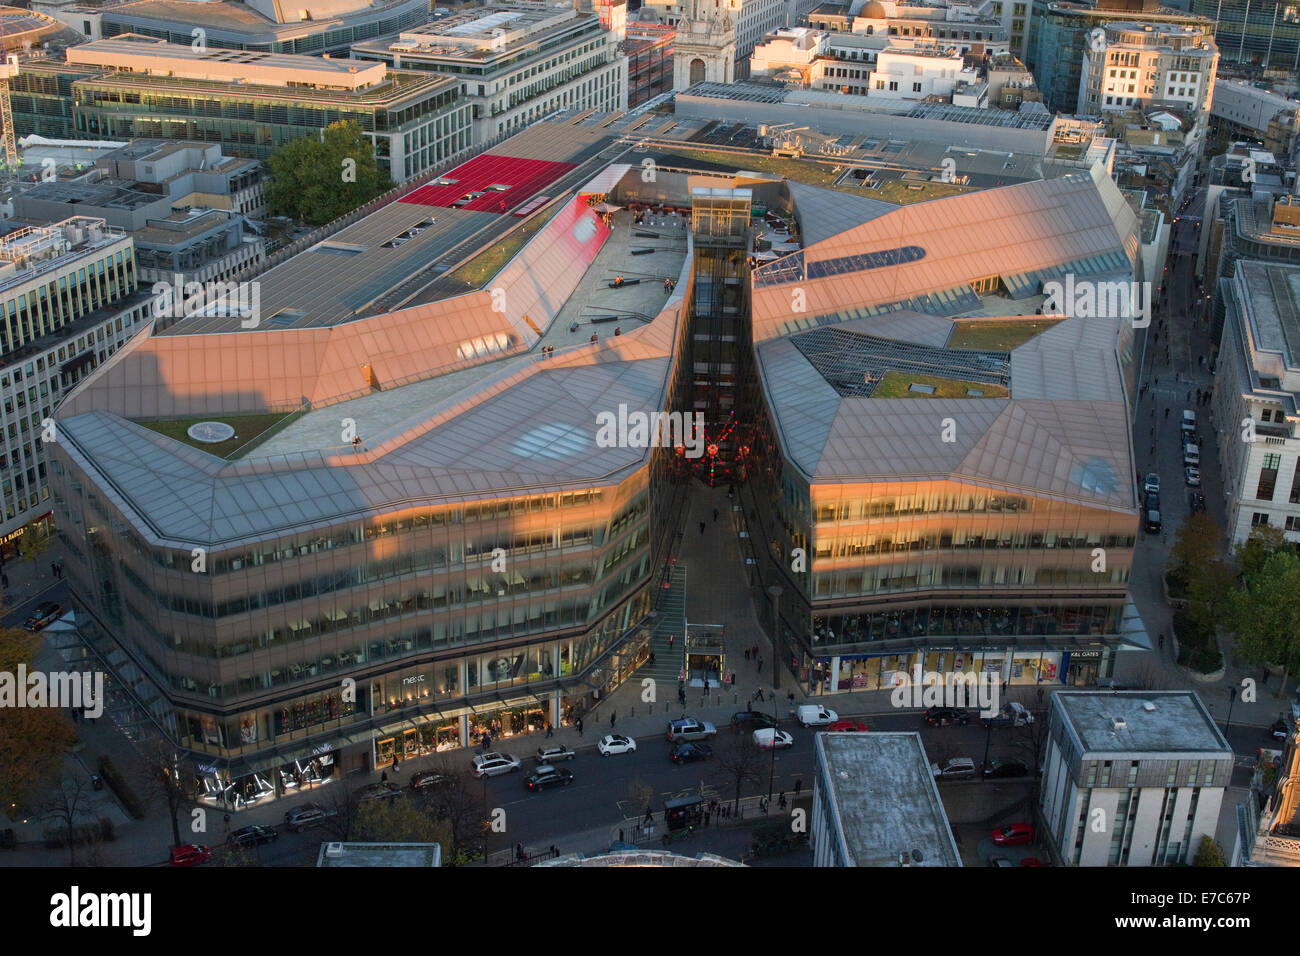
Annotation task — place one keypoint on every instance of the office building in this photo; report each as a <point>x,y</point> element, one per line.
<point>248,103</point>
<point>185,205</point>
<point>263,26</point>
<point>514,64</point>
<point>1148,64</point>
<point>875,803</point>
<point>1257,380</point>
<point>1244,110</point>
<point>1131,778</point>
<point>1258,33</point>
<point>649,51</point>
<point>69,301</point>
<point>1062,32</point>
<point>748,20</point>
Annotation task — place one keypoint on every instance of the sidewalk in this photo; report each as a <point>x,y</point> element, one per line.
<point>28,579</point>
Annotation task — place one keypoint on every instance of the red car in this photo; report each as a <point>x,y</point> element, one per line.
<point>852,726</point>
<point>1032,861</point>
<point>190,854</point>
<point>1014,834</point>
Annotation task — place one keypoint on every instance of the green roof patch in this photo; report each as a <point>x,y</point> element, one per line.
<point>248,430</point>
<point>996,335</point>
<point>910,385</point>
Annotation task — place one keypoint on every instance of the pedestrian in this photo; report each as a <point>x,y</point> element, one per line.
<point>706,686</point>
<point>396,764</point>
<point>519,852</point>
<point>702,527</point>
<point>383,777</point>
<point>755,651</point>
<point>760,695</point>
<point>1161,642</point>
<point>671,638</point>
<point>798,785</point>
<point>550,731</point>
<point>1166,412</point>
<point>715,514</point>
<point>579,725</point>
<point>760,665</point>
<point>487,740</point>
<point>54,569</point>
<point>611,720</point>
<point>762,804</point>
<point>227,818</point>
<point>747,653</point>
<point>781,804</point>
<point>681,695</point>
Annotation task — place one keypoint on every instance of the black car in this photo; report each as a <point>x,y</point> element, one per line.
<point>1279,730</point>
<point>252,836</point>
<point>996,769</point>
<point>752,720</point>
<point>943,716</point>
<point>428,778</point>
<point>1153,501</point>
<point>685,753</point>
<point>548,776</point>
<point>1196,502</point>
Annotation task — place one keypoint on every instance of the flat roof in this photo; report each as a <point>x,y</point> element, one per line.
<point>1154,722</point>
<point>1274,307</point>
<point>885,799</point>
<point>379,854</point>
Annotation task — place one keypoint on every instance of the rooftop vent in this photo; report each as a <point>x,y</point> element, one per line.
<point>1148,706</point>
<point>333,849</point>
<point>1118,723</point>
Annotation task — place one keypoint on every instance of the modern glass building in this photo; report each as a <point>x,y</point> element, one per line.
<point>1264,33</point>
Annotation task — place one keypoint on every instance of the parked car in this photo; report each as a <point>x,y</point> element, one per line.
<point>1191,454</point>
<point>688,728</point>
<point>1000,861</point>
<point>1193,476</point>
<point>849,726</point>
<point>1012,714</point>
<point>378,791</point>
<point>1189,420</point>
<point>688,753</point>
<point>493,764</point>
<point>954,769</point>
<point>553,753</point>
<point>998,769</point>
<point>1032,861</point>
<point>615,744</point>
<point>766,737</point>
<point>744,719</point>
<point>1195,502</point>
<point>548,776</point>
<point>252,836</point>
<point>1152,483</point>
<point>943,716</point>
<point>1013,834</point>
<point>44,615</point>
<point>810,715</point>
<point>1152,524</point>
<point>1152,501</point>
<point>306,815</point>
<point>428,778</point>
<point>1279,730</point>
<point>190,854</point>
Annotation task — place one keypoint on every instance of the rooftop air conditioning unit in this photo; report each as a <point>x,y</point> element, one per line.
<point>333,849</point>
<point>1118,723</point>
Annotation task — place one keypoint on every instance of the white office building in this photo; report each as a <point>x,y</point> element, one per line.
<point>1147,64</point>
<point>1132,778</point>
<point>1256,386</point>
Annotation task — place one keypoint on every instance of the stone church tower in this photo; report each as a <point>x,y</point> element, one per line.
<point>705,48</point>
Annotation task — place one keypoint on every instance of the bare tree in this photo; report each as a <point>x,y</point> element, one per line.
<point>741,762</point>
<point>163,774</point>
<point>65,806</point>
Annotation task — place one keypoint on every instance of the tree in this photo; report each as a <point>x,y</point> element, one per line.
<point>396,820</point>
<point>318,180</point>
<point>456,806</point>
<point>1208,853</point>
<point>65,806</point>
<point>741,763</point>
<point>1265,615</point>
<point>163,773</point>
<point>1253,553</point>
<point>1196,542</point>
<point>33,740</point>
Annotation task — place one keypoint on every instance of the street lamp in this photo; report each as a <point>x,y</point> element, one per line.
<point>771,776</point>
<point>1232,696</point>
<point>776,591</point>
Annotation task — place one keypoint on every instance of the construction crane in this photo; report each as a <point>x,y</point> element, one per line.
<point>8,69</point>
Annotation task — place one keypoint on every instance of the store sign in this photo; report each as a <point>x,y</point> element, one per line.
<point>1085,655</point>
<point>418,679</point>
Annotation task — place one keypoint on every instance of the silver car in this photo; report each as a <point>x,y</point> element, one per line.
<point>494,764</point>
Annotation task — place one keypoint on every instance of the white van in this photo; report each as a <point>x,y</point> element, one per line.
<point>814,714</point>
<point>1189,420</point>
<point>1191,454</point>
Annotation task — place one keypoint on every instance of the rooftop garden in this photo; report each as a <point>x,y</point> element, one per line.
<point>997,336</point>
<point>249,431</point>
<point>478,271</point>
<point>899,385</point>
